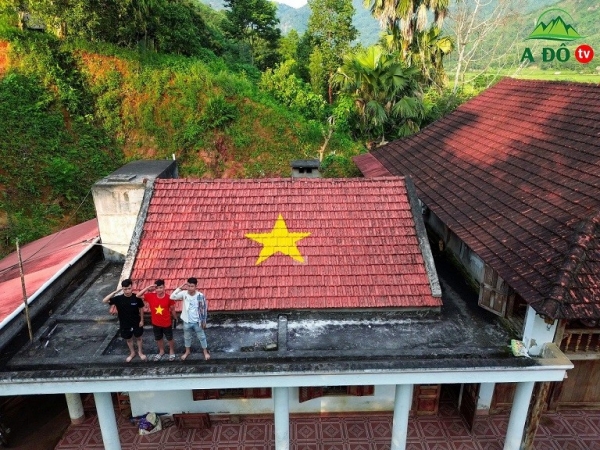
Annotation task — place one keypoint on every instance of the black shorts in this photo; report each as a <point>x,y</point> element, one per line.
<point>129,332</point>
<point>159,331</point>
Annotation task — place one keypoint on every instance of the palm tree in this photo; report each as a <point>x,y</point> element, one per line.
<point>384,92</point>
<point>405,22</point>
<point>408,16</point>
<point>427,54</point>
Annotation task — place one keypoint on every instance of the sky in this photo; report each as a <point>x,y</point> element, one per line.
<point>293,3</point>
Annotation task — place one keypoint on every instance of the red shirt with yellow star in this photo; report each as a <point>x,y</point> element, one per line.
<point>159,309</point>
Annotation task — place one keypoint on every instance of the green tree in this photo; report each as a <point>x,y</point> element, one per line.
<point>319,74</point>
<point>181,29</point>
<point>330,26</point>
<point>288,46</point>
<point>407,16</point>
<point>384,92</point>
<point>255,23</point>
<point>427,54</point>
<point>406,25</point>
<point>294,93</point>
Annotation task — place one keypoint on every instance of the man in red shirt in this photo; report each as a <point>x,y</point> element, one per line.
<point>161,308</point>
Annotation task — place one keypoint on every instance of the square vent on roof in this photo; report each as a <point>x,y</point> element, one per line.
<point>306,168</point>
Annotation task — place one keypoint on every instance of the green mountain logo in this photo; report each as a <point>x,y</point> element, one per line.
<point>556,30</point>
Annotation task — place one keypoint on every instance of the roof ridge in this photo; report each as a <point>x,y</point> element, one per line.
<point>387,178</point>
<point>574,259</point>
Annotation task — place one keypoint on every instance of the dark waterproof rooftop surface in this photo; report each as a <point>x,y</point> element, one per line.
<point>80,339</point>
<point>514,173</point>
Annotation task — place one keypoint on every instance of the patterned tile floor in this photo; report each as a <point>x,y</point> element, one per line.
<point>567,430</point>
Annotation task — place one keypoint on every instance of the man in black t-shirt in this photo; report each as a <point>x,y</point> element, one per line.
<point>131,317</point>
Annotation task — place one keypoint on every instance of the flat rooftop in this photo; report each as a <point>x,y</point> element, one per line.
<point>80,339</point>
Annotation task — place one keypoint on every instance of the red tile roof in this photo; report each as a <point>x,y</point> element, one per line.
<point>42,259</point>
<point>370,166</point>
<point>515,174</point>
<point>362,250</point>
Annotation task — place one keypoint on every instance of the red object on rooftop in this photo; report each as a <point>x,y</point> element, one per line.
<point>42,259</point>
<point>342,244</point>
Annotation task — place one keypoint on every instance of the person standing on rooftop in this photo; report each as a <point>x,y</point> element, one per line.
<point>193,314</point>
<point>161,308</point>
<point>130,311</point>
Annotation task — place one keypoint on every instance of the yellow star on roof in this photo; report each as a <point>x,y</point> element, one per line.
<point>159,310</point>
<point>279,239</point>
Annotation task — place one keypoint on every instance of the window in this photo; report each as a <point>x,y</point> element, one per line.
<point>308,393</point>
<point>228,394</point>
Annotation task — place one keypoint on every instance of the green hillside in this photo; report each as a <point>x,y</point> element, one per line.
<point>74,112</point>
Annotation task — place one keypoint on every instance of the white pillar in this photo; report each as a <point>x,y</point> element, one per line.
<point>75,407</point>
<point>107,420</point>
<point>281,409</point>
<point>484,401</point>
<point>537,332</point>
<point>402,402</point>
<point>518,416</point>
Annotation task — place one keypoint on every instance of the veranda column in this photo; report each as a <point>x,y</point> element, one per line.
<point>518,415</point>
<point>75,407</point>
<point>402,402</point>
<point>281,407</point>
<point>108,421</point>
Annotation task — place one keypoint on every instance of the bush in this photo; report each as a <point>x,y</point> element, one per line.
<point>292,92</point>
<point>339,166</point>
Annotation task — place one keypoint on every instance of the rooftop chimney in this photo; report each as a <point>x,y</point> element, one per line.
<point>306,168</point>
<point>118,197</point>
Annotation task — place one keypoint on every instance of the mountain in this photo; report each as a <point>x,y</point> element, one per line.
<point>556,30</point>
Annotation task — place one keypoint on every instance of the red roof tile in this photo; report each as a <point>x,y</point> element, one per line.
<point>42,259</point>
<point>514,173</point>
<point>362,237</point>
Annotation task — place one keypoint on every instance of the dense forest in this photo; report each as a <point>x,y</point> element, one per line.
<point>87,85</point>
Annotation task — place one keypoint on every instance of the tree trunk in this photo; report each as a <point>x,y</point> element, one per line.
<point>540,394</point>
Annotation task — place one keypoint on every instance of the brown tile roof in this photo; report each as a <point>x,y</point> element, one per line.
<point>370,166</point>
<point>515,174</point>
<point>349,243</point>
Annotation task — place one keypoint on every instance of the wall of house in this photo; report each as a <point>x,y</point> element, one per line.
<point>117,208</point>
<point>181,401</point>
<point>118,198</point>
<point>467,257</point>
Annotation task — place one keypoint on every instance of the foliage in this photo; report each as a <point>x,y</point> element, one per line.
<point>42,55</point>
<point>426,53</point>
<point>439,103</point>
<point>254,22</point>
<point>282,84</point>
<point>339,166</point>
<point>405,17</point>
<point>181,30</point>
<point>330,27</point>
<point>319,75</point>
<point>46,159</point>
<point>172,26</point>
<point>384,93</point>
<point>218,112</point>
<point>405,24</point>
<point>288,46</point>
